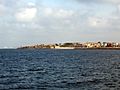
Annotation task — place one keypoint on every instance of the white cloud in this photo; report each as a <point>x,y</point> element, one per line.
<point>31,4</point>
<point>48,11</point>
<point>64,13</point>
<point>58,13</point>
<point>99,1</point>
<point>112,1</point>
<point>2,9</point>
<point>97,22</point>
<point>87,21</point>
<point>26,14</point>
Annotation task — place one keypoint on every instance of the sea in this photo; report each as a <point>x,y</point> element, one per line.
<point>50,69</point>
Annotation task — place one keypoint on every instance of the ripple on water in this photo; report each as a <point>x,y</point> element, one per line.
<point>60,69</point>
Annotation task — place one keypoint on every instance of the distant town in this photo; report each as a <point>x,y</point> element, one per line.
<point>86,45</point>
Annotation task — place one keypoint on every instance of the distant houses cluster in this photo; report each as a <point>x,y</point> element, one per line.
<point>101,44</point>
<point>75,45</point>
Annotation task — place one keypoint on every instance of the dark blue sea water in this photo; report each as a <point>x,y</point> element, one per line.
<point>60,69</point>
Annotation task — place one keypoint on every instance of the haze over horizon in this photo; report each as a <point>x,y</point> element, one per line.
<point>24,22</point>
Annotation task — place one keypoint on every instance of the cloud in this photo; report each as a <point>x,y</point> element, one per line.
<point>48,11</point>
<point>99,1</point>
<point>31,4</point>
<point>64,13</point>
<point>58,13</point>
<point>98,22</point>
<point>84,21</point>
<point>2,9</point>
<point>26,14</point>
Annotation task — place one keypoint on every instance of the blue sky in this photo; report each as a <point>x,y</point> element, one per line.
<point>27,22</point>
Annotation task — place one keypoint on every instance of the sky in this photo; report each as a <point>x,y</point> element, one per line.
<point>28,22</point>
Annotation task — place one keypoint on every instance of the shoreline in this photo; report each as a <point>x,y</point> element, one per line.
<point>99,48</point>
<point>73,48</point>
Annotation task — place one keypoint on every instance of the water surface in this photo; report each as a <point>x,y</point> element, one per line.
<point>45,69</point>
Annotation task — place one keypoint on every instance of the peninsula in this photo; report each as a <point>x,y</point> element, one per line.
<point>78,45</point>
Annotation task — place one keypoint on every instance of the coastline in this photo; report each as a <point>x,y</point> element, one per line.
<point>77,45</point>
<point>75,48</point>
<point>99,48</point>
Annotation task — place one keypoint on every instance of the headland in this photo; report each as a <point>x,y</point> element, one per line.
<point>77,45</point>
